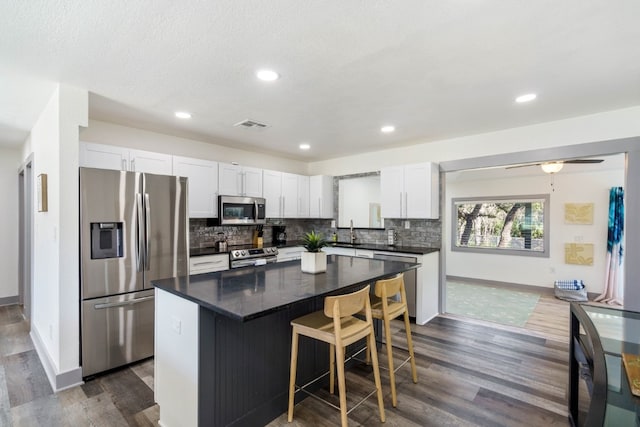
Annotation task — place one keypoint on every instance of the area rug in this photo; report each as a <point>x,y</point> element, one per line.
<point>489,303</point>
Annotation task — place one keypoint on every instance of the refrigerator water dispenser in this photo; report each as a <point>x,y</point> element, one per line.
<point>106,240</point>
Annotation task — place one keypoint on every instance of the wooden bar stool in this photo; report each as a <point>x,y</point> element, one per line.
<point>337,326</point>
<point>386,308</point>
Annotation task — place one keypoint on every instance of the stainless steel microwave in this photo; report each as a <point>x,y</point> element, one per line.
<point>236,210</point>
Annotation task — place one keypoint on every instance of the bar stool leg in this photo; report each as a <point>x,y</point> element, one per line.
<point>376,372</point>
<point>392,374</point>
<point>407,327</point>
<point>332,368</point>
<point>292,374</point>
<point>342,388</point>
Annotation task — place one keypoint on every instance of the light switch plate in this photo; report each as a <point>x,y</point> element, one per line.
<point>407,225</point>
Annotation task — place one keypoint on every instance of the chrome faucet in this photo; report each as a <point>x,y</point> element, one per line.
<point>352,233</point>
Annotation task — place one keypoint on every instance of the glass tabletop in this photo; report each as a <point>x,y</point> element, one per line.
<point>619,332</point>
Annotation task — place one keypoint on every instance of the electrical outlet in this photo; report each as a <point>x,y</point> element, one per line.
<point>333,223</point>
<point>552,270</point>
<point>407,225</point>
<point>578,239</point>
<point>176,325</point>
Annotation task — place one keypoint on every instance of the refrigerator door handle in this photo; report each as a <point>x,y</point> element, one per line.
<point>140,232</point>
<point>147,231</point>
<point>123,303</point>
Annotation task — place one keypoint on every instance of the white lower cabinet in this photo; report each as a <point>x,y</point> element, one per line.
<point>331,250</point>
<point>208,263</point>
<point>290,253</point>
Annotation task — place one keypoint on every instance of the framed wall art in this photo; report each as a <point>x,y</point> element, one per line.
<point>42,192</point>
<point>578,213</point>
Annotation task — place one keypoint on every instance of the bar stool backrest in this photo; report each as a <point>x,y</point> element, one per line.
<point>389,287</point>
<point>348,304</point>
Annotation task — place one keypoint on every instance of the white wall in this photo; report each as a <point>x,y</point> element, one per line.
<point>112,134</point>
<point>587,187</point>
<point>597,127</point>
<point>55,312</point>
<point>9,163</point>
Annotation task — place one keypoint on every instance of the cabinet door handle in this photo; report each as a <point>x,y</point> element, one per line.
<point>406,204</point>
<point>401,204</point>
<point>208,262</point>
<point>124,165</point>
<point>133,165</point>
<point>123,303</point>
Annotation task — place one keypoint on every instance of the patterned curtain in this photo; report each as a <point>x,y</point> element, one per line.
<point>612,294</point>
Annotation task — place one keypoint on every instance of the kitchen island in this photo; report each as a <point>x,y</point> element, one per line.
<point>222,340</point>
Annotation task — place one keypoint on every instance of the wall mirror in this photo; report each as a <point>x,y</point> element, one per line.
<point>359,201</point>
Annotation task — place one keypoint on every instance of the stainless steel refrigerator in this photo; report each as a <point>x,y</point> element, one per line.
<point>133,229</point>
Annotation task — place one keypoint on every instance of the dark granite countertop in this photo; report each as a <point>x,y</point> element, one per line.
<point>251,292</point>
<point>420,250</point>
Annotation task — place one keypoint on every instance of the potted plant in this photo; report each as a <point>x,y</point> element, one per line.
<point>314,260</point>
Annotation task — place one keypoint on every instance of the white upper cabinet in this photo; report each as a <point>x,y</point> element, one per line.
<point>410,191</point>
<point>287,194</point>
<point>203,185</point>
<point>392,192</point>
<point>272,192</point>
<point>104,156</point>
<point>149,162</point>
<point>321,196</point>
<point>303,196</point>
<point>290,200</point>
<point>236,180</point>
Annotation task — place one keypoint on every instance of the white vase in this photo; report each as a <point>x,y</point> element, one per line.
<point>314,262</point>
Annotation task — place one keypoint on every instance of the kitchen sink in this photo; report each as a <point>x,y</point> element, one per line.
<point>345,244</point>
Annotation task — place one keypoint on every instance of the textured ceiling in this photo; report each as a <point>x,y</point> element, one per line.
<point>434,69</point>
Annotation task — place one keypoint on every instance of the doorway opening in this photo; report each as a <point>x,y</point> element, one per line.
<point>25,240</point>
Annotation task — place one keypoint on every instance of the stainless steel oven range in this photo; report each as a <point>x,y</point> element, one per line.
<point>250,256</point>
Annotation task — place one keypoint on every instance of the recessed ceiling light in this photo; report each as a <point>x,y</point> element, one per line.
<point>304,146</point>
<point>387,129</point>
<point>267,75</point>
<point>526,98</point>
<point>183,115</point>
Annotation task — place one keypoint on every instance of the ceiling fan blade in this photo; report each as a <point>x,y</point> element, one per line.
<point>523,166</point>
<point>584,161</point>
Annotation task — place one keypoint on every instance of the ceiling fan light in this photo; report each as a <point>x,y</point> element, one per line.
<point>551,167</point>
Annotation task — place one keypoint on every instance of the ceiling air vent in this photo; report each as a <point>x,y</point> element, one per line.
<point>251,124</point>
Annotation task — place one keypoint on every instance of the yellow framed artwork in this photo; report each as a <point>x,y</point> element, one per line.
<point>578,253</point>
<point>578,213</point>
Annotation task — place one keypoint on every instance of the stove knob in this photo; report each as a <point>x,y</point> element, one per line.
<point>268,250</point>
<point>236,254</point>
<point>243,253</point>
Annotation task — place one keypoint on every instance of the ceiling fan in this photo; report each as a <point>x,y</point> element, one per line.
<point>556,166</point>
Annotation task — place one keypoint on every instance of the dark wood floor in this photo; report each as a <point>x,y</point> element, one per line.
<point>470,373</point>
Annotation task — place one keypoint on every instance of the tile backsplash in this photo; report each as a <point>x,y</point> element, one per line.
<point>424,233</point>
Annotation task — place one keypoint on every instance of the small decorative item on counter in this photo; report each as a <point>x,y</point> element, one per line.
<point>257,236</point>
<point>221,244</point>
<point>314,260</point>
<point>334,237</point>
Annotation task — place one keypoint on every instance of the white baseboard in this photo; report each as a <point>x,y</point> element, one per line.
<point>59,381</point>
